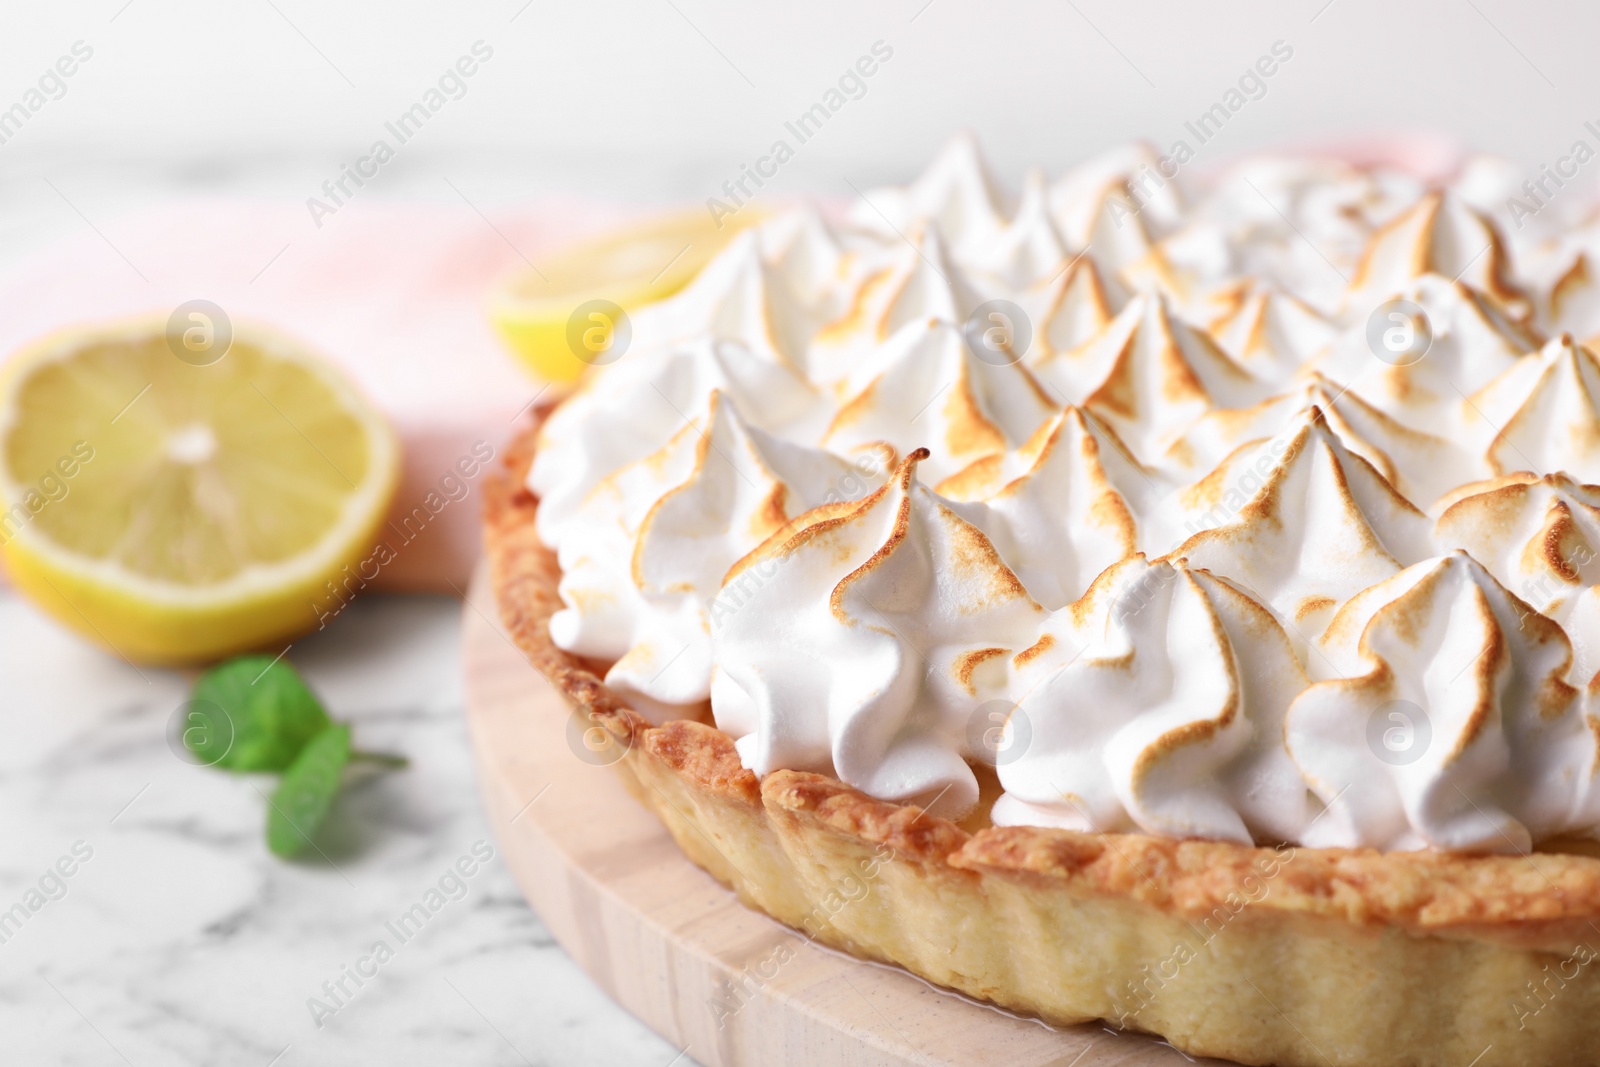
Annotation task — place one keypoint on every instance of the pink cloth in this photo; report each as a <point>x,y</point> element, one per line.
<point>394,292</point>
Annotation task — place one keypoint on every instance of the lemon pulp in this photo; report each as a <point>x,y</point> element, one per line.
<point>629,268</point>
<point>177,512</point>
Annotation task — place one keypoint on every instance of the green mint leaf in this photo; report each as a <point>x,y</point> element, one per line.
<point>252,714</point>
<point>302,800</point>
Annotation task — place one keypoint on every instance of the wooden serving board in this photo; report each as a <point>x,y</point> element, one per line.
<point>675,947</point>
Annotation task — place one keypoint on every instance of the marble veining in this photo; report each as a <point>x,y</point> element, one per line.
<point>180,940</point>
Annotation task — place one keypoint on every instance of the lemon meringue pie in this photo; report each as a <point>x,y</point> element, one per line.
<point>1208,661</point>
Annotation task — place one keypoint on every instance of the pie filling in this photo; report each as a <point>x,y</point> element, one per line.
<point>1253,508</point>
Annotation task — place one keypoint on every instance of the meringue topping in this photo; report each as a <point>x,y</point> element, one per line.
<point>1188,513</point>
<point>917,284</point>
<point>1543,413</point>
<point>714,493</point>
<point>864,639</point>
<point>1269,332</point>
<point>1439,234</point>
<point>957,194</point>
<point>1421,466</point>
<point>1150,376</point>
<point>1133,169</point>
<point>1300,224</point>
<point>816,267</point>
<point>1050,508</point>
<point>1454,727</point>
<point>1306,523</point>
<point>1169,722</point>
<point>631,408</point>
<point>1473,342</point>
<point>1069,309</point>
<point>1540,537</point>
<point>1112,208</point>
<point>1567,279</point>
<point>738,296</point>
<point>1027,250</point>
<point>926,388</point>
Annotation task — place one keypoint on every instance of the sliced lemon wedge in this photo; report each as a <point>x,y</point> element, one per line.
<point>559,316</point>
<point>178,495</point>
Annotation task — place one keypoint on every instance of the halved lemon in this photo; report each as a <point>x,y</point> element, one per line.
<point>535,309</point>
<point>176,504</point>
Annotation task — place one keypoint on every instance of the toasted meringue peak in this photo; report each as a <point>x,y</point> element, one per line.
<point>917,283</point>
<point>926,388</point>
<point>1050,508</point>
<point>956,193</point>
<point>1068,310</point>
<point>1438,235</point>
<point>1539,537</point>
<point>1473,342</point>
<point>1169,722</point>
<point>862,641</point>
<point>1452,726</point>
<point>1269,332</point>
<point>1109,207</point>
<point>1421,466</point>
<point>625,413</point>
<point>1150,376</point>
<point>1563,270</point>
<point>1490,184</point>
<point>1571,297</point>
<point>1299,223</point>
<point>657,538</point>
<point>1066,632</point>
<point>1108,231</point>
<point>804,250</point>
<point>1027,251</point>
<point>603,605</point>
<point>1131,172</point>
<point>1301,523</point>
<point>1543,414</point>
<point>739,296</point>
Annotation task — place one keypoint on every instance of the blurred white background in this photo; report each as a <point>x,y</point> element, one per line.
<point>654,99</point>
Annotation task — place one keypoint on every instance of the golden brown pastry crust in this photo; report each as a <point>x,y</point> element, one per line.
<point>1288,955</point>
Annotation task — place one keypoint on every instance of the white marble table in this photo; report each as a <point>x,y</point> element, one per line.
<point>181,940</point>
